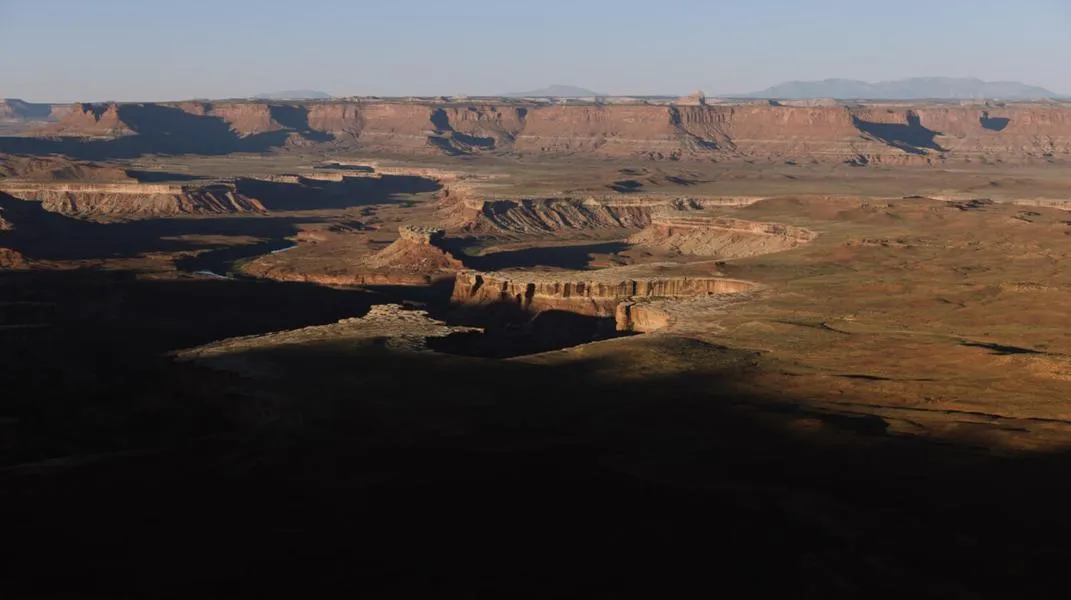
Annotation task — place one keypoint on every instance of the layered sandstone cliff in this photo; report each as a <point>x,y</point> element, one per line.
<point>536,216</point>
<point>89,120</point>
<point>594,294</point>
<point>132,199</point>
<point>860,134</point>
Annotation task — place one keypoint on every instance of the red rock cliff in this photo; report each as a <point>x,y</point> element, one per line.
<point>862,134</point>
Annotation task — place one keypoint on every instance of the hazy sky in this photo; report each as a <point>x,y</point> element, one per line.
<point>65,50</point>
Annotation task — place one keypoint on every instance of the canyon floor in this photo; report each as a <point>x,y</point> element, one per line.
<point>256,374</point>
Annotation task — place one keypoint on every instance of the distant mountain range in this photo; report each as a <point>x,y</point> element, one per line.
<point>294,95</point>
<point>916,88</point>
<point>555,91</point>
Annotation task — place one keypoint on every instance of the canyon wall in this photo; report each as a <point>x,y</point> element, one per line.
<point>592,294</point>
<point>132,199</point>
<point>88,120</point>
<point>533,216</point>
<point>858,134</point>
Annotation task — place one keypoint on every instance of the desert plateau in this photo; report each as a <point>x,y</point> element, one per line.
<point>546,344</point>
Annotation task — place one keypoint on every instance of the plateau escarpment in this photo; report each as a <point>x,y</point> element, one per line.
<point>89,120</point>
<point>860,134</point>
<point>639,297</point>
<point>132,199</point>
<point>563,216</point>
<point>599,294</point>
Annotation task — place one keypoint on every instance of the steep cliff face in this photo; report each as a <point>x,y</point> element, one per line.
<point>132,199</point>
<point>89,120</point>
<point>641,317</point>
<point>243,118</point>
<point>860,134</point>
<point>602,130</point>
<point>400,127</point>
<point>1001,134</point>
<point>500,124</point>
<point>340,120</point>
<point>592,294</point>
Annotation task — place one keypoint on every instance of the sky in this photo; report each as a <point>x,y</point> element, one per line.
<point>144,50</point>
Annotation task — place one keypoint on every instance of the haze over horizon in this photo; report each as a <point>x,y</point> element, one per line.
<point>138,51</point>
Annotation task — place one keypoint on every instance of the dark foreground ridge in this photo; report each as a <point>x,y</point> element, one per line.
<point>395,475</point>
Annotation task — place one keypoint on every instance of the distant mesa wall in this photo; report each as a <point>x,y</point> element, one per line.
<point>858,134</point>
<point>13,109</point>
<point>88,120</point>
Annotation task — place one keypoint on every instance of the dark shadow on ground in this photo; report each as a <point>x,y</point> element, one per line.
<point>625,186</point>
<point>509,331</point>
<point>913,137</point>
<point>405,475</point>
<point>993,123</point>
<point>160,176</point>
<point>296,117</point>
<point>310,194</point>
<point>45,235</point>
<point>576,257</point>
<point>341,167</point>
<point>1001,349</point>
<point>447,134</point>
<point>81,352</point>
